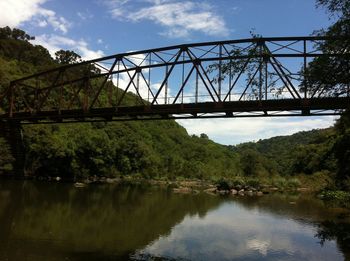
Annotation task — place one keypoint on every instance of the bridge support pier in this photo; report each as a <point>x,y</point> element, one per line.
<point>11,131</point>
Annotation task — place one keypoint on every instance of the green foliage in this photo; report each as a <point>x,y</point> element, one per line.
<point>331,73</point>
<point>16,34</point>
<point>339,7</point>
<point>152,149</point>
<point>67,57</point>
<point>223,184</point>
<point>5,156</point>
<point>335,195</point>
<point>14,45</point>
<point>342,151</point>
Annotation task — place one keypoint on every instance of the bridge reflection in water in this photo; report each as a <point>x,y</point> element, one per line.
<point>240,78</point>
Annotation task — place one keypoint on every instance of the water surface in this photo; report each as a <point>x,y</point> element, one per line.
<point>57,221</point>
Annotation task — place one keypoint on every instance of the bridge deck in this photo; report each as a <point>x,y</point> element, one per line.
<point>264,108</point>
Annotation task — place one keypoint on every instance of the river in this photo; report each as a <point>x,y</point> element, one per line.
<point>57,221</point>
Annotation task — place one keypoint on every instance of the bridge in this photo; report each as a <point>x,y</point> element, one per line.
<point>240,78</point>
<point>258,77</point>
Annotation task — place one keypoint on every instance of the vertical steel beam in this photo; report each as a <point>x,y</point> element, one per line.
<point>220,71</point>
<point>166,85</point>
<point>149,77</point>
<point>11,99</point>
<point>229,81</point>
<point>260,70</point>
<point>183,76</point>
<point>196,91</point>
<point>305,68</point>
<point>118,79</point>
<point>266,76</point>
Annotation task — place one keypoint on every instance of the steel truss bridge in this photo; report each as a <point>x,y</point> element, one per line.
<point>256,77</point>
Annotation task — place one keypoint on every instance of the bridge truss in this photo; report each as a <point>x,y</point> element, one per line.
<point>240,78</point>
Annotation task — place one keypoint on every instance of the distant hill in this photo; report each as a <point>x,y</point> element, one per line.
<point>283,154</point>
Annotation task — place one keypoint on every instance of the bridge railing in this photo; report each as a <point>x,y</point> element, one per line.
<point>225,71</point>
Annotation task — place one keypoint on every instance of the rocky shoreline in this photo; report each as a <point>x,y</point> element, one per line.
<point>178,186</point>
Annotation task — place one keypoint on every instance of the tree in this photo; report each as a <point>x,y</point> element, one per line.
<point>16,34</point>
<point>339,7</point>
<point>331,74</point>
<point>204,136</point>
<point>342,151</point>
<point>67,57</point>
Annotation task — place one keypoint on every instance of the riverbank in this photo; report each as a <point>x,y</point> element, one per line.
<point>238,185</point>
<point>235,185</point>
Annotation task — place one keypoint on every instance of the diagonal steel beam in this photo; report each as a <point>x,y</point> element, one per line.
<point>147,84</point>
<point>132,81</point>
<point>103,83</point>
<point>197,62</point>
<point>250,81</point>
<point>126,89</point>
<point>183,84</point>
<point>237,78</point>
<point>167,76</point>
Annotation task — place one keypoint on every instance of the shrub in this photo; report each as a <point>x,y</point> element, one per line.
<point>223,185</point>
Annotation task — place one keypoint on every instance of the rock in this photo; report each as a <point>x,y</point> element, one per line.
<point>210,190</point>
<point>223,192</point>
<point>241,192</point>
<point>234,192</point>
<point>58,178</point>
<point>182,190</point>
<point>79,185</point>
<point>109,180</point>
<point>249,193</point>
<point>274,189</point>
<point>259,193</point>
<point>303,189</point>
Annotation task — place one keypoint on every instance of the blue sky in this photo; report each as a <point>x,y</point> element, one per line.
<point>102,27</point>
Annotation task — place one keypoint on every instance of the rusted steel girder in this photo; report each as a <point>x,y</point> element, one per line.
<point>259,71</point>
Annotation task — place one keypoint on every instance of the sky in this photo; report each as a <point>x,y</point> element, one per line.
<point>96,28</point>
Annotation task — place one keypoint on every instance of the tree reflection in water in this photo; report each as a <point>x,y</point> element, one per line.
<point>334,230</point>
<point>48,221</point>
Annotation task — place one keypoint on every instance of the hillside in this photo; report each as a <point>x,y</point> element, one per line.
<point>282,154</point>
<point>322,155</point>
<point>148,149</point>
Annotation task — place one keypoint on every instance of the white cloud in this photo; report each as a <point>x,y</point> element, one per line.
<point>15,12</point>
<point>180,18</point>
<point>260,245</point>
<point>85,15</point>
<point>54,43</point>
<point>233,131</point>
